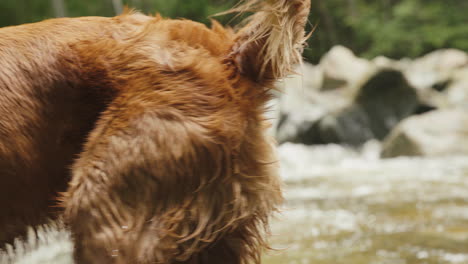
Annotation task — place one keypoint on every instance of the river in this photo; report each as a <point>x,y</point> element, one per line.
<point>351,207</point>
<point>347,207</point>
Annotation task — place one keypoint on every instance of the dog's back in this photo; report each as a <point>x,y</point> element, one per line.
<point>157,125</point>
<point>46,112</point>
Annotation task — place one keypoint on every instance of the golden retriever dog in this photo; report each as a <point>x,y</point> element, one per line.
<point>146,135</point>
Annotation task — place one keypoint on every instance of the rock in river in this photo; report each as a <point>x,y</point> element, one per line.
<point>380,103</point>
<point>436,133</point>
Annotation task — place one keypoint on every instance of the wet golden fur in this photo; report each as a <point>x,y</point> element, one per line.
<point>152,128</point>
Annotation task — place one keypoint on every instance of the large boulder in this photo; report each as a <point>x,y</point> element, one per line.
<point>301,102</point>
<point>380,103</point>
<point>385,62</point>
<point>386,98</point>
<point>350,100</point>
<point>448,93</point>
<point>439,77</point>
<point>435,67</point>
<point>435,133</point>
<point>457,90</point>
<point>342,68</point>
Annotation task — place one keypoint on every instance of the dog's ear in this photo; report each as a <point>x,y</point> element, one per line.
<point>273,39</point>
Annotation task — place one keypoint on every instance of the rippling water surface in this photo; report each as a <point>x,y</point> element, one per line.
<point>351,207</point>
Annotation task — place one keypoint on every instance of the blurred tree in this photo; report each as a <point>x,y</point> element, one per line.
<point>118,6</point>
<point>23,11</point>
<point>394,28</point>
<point>59,8</point>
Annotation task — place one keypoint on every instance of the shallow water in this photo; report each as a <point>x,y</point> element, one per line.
<point>351,207</point>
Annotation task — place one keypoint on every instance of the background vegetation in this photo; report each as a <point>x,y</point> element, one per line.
<point>394,28</point>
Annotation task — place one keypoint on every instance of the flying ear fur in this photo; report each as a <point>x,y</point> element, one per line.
<point>272,42</point>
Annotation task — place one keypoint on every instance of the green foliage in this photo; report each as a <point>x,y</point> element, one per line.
<point>412,28</point>
<point>23,11</point>
<point>394,28</point>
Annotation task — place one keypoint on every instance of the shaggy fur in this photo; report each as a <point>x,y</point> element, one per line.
<point>152,128</point>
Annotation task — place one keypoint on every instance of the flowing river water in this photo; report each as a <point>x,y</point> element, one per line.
<point>351,207</point>
<point>345,207</point>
